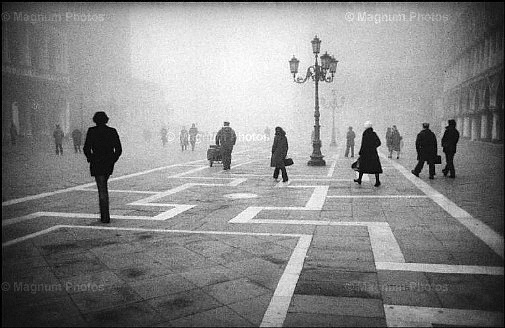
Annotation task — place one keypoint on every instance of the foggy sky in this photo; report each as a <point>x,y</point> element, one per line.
<point>229,61</point>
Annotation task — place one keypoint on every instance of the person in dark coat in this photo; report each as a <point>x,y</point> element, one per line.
<point>58,139</point>
<point>164,139</point>
<point>77,139</point>
<point>426,146</point>
<point>350,142</point>
<point>368,157</point>
<point>102,149</point>
<point>226,138</point>
<point>184,137</point>
<point>449,141</point>
<point>279,153</point>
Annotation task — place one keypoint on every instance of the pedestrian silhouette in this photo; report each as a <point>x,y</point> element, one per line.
<point>368,157</point>
<point>226,138</point>
<point>77,137</point>
<point>102,149</point>
<point>449,141</point>
<point>279,153</point>
<point>184,137</point>
<point>58,139</point>
<point>426,147</point>
<point>350,142</point>
<point>193,132</point>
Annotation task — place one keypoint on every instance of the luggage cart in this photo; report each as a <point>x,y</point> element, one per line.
<point>214,154</point>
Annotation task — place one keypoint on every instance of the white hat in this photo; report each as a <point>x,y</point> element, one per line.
<point>368,124</point>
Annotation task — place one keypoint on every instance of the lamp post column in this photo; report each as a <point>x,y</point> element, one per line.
<point>333,136</point>
<point>316,159</point>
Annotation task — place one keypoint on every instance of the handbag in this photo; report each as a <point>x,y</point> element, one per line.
<point>288,162</point>
<point>355,165</point>
<point>438,159</point>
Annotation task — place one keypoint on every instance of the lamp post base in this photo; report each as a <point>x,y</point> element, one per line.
<point>316,161</point>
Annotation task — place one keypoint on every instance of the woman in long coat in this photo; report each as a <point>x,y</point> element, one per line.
<point>279,153</point>
<point>102,149</point>
<point>368,157</point>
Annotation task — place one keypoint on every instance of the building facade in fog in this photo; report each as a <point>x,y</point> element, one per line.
<point>61,62</point>
<point>35,72</point>
<point>473,80</point>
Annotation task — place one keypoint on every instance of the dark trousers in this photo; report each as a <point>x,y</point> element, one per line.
<point>59,148</point>
<point>77,147</point>
<point>449,167</point>
<point>284,173</point>
<point>420,164</point>
<point>103,197</point>
<point>192,145</point>
<point>226,156</point>
<point>347,150</point>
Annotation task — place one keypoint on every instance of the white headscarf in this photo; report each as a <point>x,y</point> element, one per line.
<point>368,124</point>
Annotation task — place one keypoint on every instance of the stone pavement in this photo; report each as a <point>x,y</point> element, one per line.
<point>191,245</point>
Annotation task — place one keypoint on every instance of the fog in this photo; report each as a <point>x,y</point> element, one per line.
<point>205,63</point>
<point>230,61</point>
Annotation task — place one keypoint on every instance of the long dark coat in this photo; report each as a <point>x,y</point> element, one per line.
<point>102,149</point>
<point>450,139</point>
<point>368,157</point>
<point>396,140</point>
<point>426,145</point>
<point>279,150</point>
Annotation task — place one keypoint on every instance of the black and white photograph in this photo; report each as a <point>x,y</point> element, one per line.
<point>252,164</point>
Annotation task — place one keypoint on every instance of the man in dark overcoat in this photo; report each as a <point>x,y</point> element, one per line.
<point>226,138</point>
<point>369,162</point>
<point>77,139</point>
<point>102,149</point>
<point>426,146</point>
<point>58,139</point>
<point>449,141</point>
<point>279,153</point>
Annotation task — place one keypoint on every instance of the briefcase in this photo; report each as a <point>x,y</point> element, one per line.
<point>288,161</point>
<point>438,159</point>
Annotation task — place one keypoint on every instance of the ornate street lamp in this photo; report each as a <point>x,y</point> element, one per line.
<point>317,73</point>
<point>334,104</point>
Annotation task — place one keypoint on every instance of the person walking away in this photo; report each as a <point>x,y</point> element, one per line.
<point>369,162</point>
<point>279,153</point>
<point>164,139</point>
<point>193,132</point>
<point>350,142</point>
<point>449,141</point>
<point>58,139</point>
<point>102,149</point>
<point>426,146</point>
<point>183,137</point>
<point>77,138</point>
<point>389,142</point>
<point>396,142</point>
<point>226,139</point>
<point>14,133</point>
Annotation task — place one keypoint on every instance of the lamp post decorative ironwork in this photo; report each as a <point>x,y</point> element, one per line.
<point>318,73</point>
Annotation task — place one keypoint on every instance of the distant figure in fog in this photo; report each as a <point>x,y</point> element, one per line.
<point>193,132</point>
<point>426,146</point>
<point>449,141</point>
<point>58,139</point>
<point>279,153</point>
<point>226,138</point>
<point>350,142</point>
<point>77,139</point>
<point>368,157</point>
<point>102,149</point>
<point>184,137</point>
<point>396,142</point>
<point>14,133</point>
<point>389,142</point>
<point>164,139</point>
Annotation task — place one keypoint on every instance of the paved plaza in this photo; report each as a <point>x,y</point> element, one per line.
<point>193,245</point>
